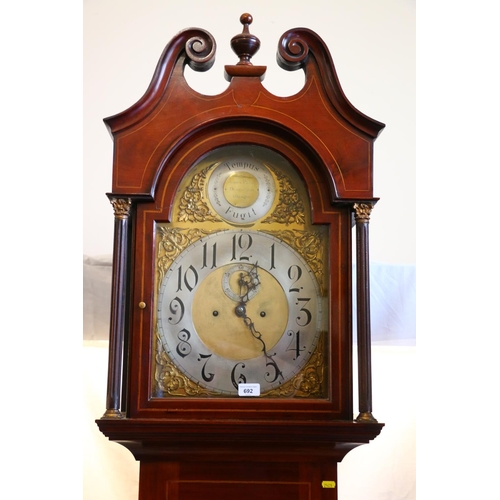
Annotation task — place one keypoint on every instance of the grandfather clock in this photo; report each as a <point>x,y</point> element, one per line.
<point>230,358</point>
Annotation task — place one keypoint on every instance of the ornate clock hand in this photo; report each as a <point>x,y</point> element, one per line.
<point>248,281</point>
<point>241,312</point>
<point>242,287</point>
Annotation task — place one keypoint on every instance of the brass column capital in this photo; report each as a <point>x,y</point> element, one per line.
<point>121,207</point>
<point>362,211</point>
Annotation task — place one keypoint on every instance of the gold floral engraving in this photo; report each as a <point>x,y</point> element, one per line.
<point>290,208</point>
<point>192,205</point>
<point>362,211</point>
<point>170,381</point>
<point>172,241</point>
<point>309,382</point>
<point>308,244</point>
<point>121,207</point>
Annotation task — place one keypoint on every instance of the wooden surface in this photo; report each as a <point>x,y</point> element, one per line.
<point>208,446</point>
<point>212,439</point>
<point>319,119</point>
<point>220,459</point>
<point>249,481</point>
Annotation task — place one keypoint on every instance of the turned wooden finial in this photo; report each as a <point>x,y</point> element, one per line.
<point>245,45</point>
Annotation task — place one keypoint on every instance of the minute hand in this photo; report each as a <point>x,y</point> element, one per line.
<point>247,282</point>
<point>269,358</point>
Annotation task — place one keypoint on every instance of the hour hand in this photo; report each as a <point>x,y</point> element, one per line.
<point>248,283</point>
<point>241,282</point>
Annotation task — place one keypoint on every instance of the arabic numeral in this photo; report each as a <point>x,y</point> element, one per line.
<point>272,258</point>
<point>183,347</point>
<point>294,273</point>
<point>207,377</point>
<point>242,242</point>
<point>241,378</point>
<point>189,279</point>
<point>206,256</point>
<point>295,343</point>
<point>176,308</point>
<point>272,377</point>
<point>305,316</point>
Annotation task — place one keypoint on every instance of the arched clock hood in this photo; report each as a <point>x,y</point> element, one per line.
<point>341,136</point>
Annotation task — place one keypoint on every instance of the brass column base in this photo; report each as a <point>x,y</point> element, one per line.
<point>366,417</point>
<point>113,413</point>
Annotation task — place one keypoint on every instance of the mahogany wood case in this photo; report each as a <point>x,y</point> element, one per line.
<point>223,447</point>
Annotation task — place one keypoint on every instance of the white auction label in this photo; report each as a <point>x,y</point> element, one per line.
<point>248,390</point>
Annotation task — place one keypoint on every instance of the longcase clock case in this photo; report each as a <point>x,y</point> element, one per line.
<point>230,359</point>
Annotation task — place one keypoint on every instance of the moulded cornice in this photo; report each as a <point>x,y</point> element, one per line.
<point>171,113</point>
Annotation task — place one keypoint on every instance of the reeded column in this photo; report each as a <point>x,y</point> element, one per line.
<point>362,213</point>
<point>121,207</point>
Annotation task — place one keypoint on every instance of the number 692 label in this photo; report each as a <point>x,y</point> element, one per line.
<point>248,390</point>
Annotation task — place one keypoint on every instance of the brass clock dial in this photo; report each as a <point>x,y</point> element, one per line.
<point>241,281</point>
<point>239,306</point>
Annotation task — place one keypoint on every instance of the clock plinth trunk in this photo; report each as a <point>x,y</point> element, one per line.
<point>230,357</point>
<point>243,480</point>
<point>219,460</point>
